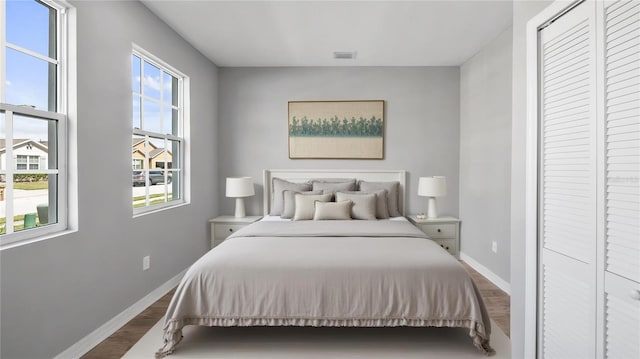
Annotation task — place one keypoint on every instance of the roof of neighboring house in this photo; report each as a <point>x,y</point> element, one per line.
<point>140,152</point>
<point>18,142</point>
<point>3,142</point>
<point>155,152</point>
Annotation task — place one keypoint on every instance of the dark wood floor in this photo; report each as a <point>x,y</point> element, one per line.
<point>121,341</point>
<point>497,302</point>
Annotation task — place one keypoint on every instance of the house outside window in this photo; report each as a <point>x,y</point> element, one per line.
<point>21,162</point>
<point>157,147</point>
<point>33,162</point>
<point>27,162</point>
<point>33,118</point>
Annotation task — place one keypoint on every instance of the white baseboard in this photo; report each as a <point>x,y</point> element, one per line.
<point>96,337</point>
<point>494,278</point>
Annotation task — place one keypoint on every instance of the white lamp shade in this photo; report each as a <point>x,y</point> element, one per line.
<point>435,186</point>
<point>240,187</point>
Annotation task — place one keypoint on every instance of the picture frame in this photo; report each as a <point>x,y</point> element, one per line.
<point>347,129</point>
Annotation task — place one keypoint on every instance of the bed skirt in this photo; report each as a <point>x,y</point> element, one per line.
<point>173,329</point>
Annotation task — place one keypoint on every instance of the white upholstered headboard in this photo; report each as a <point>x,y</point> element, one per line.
<point>306,175</point>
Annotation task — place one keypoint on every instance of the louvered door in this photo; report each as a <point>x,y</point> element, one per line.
<point>622,161</point>
<point>567,172</point>
<point>622,318</point>
<point>589,184</point>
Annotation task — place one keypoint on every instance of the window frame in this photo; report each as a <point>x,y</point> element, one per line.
<point>28,162</point>
<point>183,97</point>
<point>9,236</point>
<point>35,164</point>
<point>61,115</point>
<point>21,160</point>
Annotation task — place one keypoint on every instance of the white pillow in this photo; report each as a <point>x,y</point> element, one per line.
<point>289,208</point>
<point>332,210</point>
<point>305,205</point>
<point>364,205</point>
<point>333,187</point>
<point>393,194</point>
<point>277,197</point>
<point>382,208</point>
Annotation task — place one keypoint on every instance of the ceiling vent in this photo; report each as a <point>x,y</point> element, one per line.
<point>344,55</point>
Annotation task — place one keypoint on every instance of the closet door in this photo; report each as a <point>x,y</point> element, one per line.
<point>622,137</point>
<point>567,194</point>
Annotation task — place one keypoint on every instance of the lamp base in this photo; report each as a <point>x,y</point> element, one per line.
<point>432,211</point>
<point>240,208</point>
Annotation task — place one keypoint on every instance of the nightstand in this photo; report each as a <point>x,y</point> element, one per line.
<point>443,230</point>
<point>223,226</point>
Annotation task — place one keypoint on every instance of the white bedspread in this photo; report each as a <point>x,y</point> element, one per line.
<point>328,273</point>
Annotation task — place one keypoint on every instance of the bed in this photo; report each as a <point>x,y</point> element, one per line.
<point>339,273</point>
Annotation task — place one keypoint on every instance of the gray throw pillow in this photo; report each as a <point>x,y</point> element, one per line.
<point>333,187</point>
<point>332,210</point>
<point>382,204</point>
<point>382,208</point>
<point>289,208</point>
<point>277,196</point>
<point>305,205</point>
<point>393,194</point>
<point>333,180</point>
<point>364,205</point>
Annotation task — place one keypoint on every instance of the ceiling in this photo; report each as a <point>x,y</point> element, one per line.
<point>306,33</point>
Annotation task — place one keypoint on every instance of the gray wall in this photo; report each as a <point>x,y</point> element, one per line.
<point>485,155</point>
<point>421,135</point>
<point>523,11</point>
<point>56,291</point>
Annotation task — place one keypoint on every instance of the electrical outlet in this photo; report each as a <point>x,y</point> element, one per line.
<point>146,262</point>
<point>494,247</point>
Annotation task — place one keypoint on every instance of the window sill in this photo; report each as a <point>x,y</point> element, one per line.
<point>43,237</point>
<point>158,209</point>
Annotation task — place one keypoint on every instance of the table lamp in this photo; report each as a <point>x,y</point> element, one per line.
<point>432,187</point>
<point>238,188</point>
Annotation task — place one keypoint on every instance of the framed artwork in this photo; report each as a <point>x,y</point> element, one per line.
<point>336,129</point>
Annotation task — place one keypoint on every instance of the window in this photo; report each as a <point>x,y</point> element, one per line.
<point>27,162</point>
<point>21,162</point>
<point>33,162</point>
<point>33,118</point>
<point>157,139</point>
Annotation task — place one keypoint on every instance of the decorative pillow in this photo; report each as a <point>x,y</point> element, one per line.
<point>332,210</point>
<point>382,208</point>
<point>305,208</point>
<point>333,187</point>
<point>382,204</point>
<point>364,205</point>
<point>393,194</point>
<point>332,180</point>
<point>289,207</point>
<point>277,197</point>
